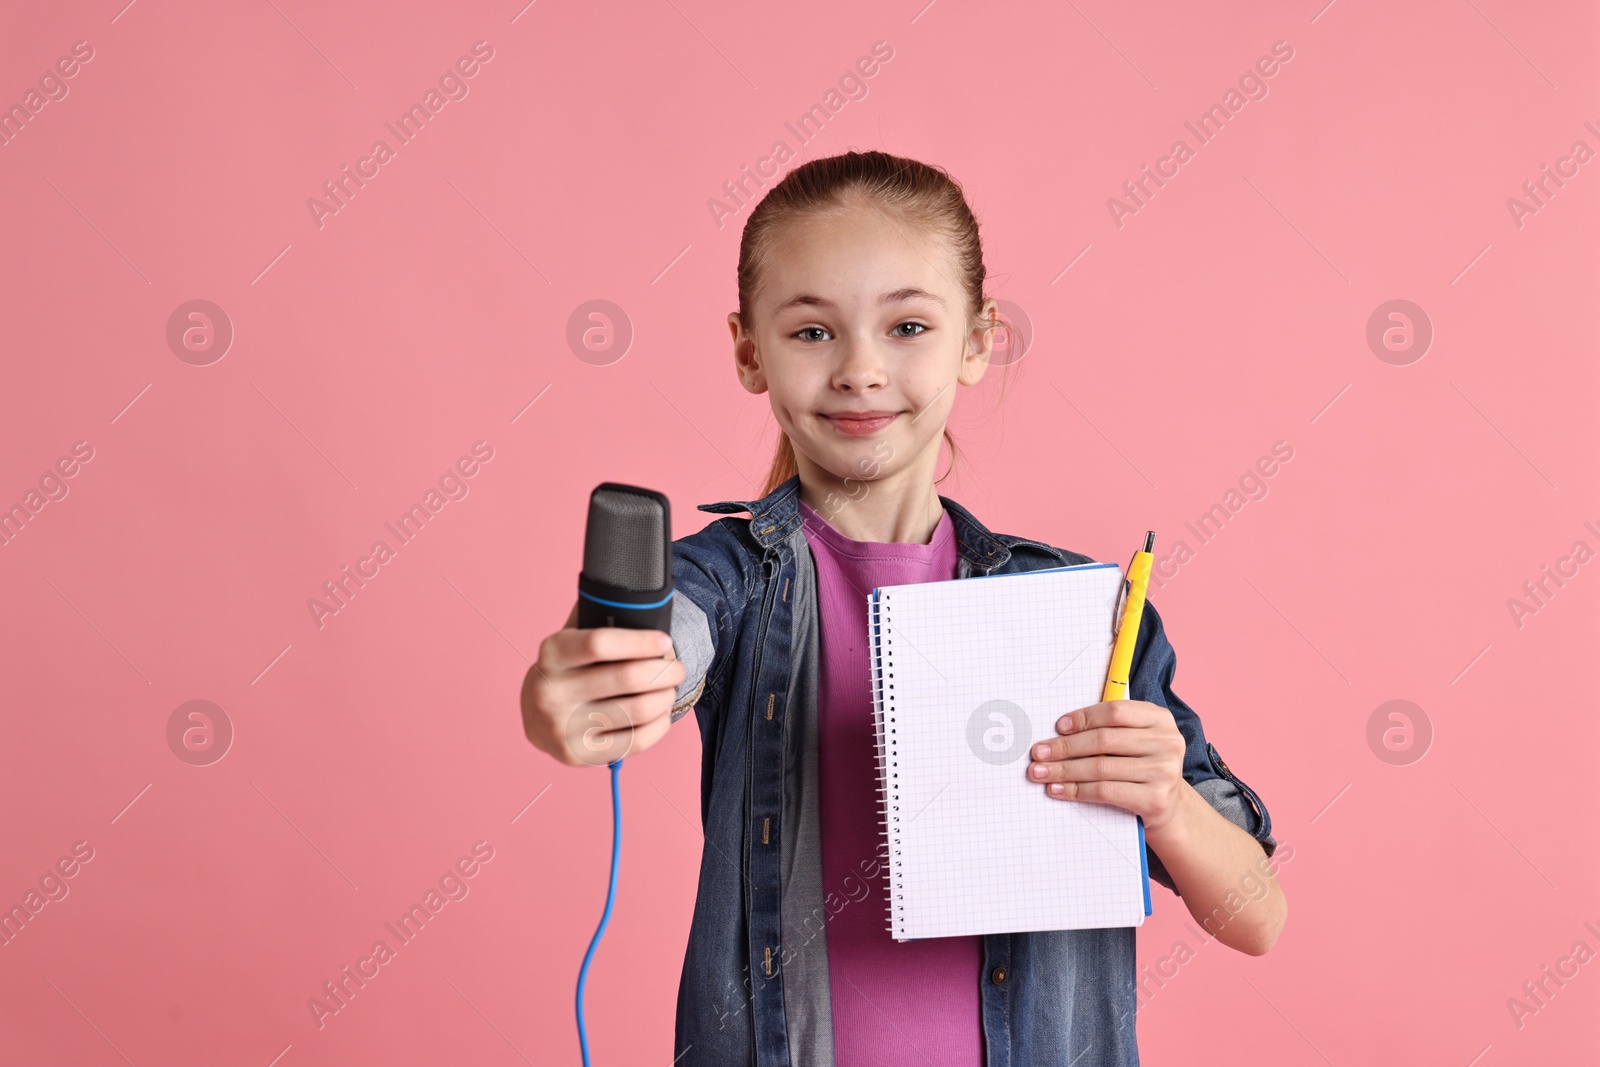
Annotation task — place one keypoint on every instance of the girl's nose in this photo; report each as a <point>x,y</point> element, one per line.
<point>860,366</point>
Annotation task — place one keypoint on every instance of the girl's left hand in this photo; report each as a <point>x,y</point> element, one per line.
<point>1123,752</point>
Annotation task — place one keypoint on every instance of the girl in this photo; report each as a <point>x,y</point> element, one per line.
<point>861,306</point>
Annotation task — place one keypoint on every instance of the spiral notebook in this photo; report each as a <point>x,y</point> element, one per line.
<point>967,675</point>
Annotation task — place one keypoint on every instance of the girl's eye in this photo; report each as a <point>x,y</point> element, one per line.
<point>801,333</point>
<point>920,329</point>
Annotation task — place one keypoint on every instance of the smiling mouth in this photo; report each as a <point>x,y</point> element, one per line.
<point>861,426</point>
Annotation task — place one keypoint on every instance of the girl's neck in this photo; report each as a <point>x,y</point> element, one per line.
<point>903,507</point>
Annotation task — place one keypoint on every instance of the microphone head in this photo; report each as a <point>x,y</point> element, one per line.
<point>628,541</point>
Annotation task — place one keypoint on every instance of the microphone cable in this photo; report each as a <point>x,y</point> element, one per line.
<point>611,896</point>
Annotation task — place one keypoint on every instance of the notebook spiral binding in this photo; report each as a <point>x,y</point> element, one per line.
<point>883,712</point>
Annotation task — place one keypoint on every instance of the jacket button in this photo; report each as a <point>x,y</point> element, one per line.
<point>998,975</point>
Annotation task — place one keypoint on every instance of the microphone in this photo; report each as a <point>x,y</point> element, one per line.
<point>627,560</point>
<point>626,581</point>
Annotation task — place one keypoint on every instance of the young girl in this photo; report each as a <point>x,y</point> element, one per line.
<point>861,307</point>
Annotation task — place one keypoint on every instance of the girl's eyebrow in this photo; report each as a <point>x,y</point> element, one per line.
<point>894,297</point>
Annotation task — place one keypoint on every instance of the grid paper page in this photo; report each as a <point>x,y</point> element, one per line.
<point>968,674</point>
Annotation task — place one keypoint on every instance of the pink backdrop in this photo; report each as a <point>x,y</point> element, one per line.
<point>348,356</point>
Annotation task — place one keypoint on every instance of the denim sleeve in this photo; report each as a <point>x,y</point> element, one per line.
<point>709,586</point>
<point>1154,663</point>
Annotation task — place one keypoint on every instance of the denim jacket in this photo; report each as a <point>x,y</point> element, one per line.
<point>754,987</point>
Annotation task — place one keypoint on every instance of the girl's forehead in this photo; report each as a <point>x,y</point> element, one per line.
<point>853,261</point>
<point>862,228</point>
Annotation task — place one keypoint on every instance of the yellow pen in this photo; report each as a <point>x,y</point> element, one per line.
<point>1128,627</point>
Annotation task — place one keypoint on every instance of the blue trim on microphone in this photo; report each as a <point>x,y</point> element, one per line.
<point>623,604</point>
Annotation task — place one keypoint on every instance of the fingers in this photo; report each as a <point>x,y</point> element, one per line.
<point>595,694</point>
<point>1113,727</point>
<point>1110,713</point>
<point>566,689</point>
<point>1126,795</point>
<point>1107,741</point>
<point>1097,769</point>
<point>605,697</point>
<point>621,679</point>
<point>649,733</point>
<point>605,731</point>
<point>570,648</point>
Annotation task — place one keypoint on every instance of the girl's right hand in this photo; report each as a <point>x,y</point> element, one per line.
<point>594,696</point>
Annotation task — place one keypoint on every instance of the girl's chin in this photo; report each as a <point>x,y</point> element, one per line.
<point>858,462</point>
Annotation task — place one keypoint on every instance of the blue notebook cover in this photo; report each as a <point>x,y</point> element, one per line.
<point>1144,867</point>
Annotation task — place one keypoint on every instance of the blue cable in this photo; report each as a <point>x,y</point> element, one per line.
<point>611,896</point>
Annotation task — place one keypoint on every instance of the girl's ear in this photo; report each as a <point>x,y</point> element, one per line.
<point>980,344</point>
<point>746,357</point>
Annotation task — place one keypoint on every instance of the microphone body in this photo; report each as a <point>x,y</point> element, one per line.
<point>626,578</point>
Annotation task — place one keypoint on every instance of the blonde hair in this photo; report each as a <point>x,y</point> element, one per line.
<point>922,195</point>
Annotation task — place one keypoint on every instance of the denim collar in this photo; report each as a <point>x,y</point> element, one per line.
<point>775,517</point>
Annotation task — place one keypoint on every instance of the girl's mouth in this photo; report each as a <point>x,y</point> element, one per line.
<point>861,424</point>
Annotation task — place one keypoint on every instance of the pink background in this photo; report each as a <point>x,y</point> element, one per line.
<point>431,311</point>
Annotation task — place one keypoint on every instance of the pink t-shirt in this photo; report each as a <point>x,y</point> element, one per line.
<point>913,1002</point>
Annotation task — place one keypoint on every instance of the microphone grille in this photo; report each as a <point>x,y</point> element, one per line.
<point>626,540</point>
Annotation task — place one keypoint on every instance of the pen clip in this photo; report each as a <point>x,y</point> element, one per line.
<point>1122,606</point>
<point>1127,583</point>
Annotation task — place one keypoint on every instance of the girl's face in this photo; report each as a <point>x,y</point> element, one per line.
<point>860,334</point>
